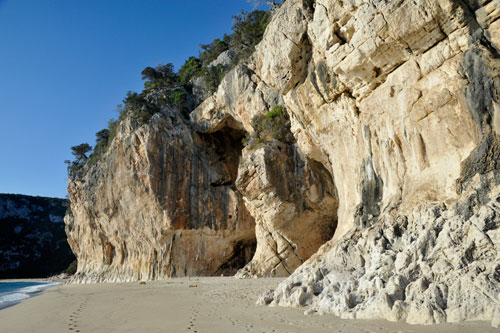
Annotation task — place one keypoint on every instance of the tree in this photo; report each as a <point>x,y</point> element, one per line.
<point>213,50</point>
<point>248,30</point>
<point>159,77</point>
<point>133,100</point>
<point>102,137</point>
<point>190,69</point>
<point>80,151</point>
<point>214,76</point>
<point>101,142</point>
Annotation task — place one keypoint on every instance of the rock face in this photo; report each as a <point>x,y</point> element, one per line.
<point>399,101</point>
<point>161,203</point>
<point>32,239</point>
<point>434,264</point>
<point>394,110</point>
<point>294,204</point>
<point>292,197</point>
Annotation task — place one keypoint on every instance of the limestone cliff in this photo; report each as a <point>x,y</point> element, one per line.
<point>393,156</point>
<point>399,101</point>
<point>162,202</point>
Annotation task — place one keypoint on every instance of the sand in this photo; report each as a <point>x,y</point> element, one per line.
<point>219,304</point>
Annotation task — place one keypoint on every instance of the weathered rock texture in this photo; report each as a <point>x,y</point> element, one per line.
<point>32,239</point>
<point>161,203</point>
<point>395,117</point>
<point>292,197</point>
<point>399,101</point>
<point>294,203</point>
<point>434,264</point>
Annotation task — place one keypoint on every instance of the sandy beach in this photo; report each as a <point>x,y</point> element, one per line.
<point>199,305</point>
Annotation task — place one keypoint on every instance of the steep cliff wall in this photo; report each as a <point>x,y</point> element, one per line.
<point>399,101</point>
<point>32,239</point>
<point>161,202</point>
<point>393,156</point>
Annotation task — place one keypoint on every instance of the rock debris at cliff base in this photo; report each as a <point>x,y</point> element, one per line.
<point>437,264</point>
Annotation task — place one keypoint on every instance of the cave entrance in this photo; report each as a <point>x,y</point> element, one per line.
<point>225,148</point>
<point>243,253</point>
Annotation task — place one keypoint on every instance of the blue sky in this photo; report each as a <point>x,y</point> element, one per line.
<point>66,64</point>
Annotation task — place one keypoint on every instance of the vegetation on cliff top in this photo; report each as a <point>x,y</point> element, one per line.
<point>163,87</point>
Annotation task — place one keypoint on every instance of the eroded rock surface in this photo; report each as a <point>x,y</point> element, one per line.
<point>394,109</point>
<point>162,202</point>
<point>399,101</point>
<point>434,264</point>
<point>294,203</point>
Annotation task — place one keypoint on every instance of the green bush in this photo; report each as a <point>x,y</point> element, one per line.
<point>178,97</point>
<point>214,76</point>
<point>113,129</point>
<point>276,112</point>
<point>274,125</point>
<point>162,76</point>
<point>137,108</point>
<point>212,50</point>
<point>191,69</point>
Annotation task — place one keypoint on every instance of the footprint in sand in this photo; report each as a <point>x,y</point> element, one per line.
<point>74,317</point>
<point>194,310</point>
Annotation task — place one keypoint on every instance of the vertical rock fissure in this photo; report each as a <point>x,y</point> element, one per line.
<point>225,147</point>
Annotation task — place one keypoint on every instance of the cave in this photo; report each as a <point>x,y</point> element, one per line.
<point>224,148</point>
<point>243,252</point>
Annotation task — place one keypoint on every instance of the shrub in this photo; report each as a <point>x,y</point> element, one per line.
<point>248,30</point>
<point>277,111</point>
<point>214,76</point>
<point>274,125</point>
<point>162,76</point>
<point>191,69</point>
<point>138,108</point>
<point>112,128</point>
<point>212,50</point>
<point>178,97</point>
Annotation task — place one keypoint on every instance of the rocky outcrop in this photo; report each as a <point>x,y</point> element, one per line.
<point>32,239</point>
<point>434,264</point>
<point>294,203</point>
<point>399,101</point>
<point>394,112</point>
<point>160,203</point>
<point>292,197</point>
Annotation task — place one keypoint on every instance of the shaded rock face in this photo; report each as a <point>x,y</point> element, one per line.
<point>161,203</point>
<point>32,239</point>
<point>291,196</point>
<point>294,204</point>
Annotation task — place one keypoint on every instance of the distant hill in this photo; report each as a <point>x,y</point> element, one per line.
<point>33,243</point>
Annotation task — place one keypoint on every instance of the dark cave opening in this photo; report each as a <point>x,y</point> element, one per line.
<point>224,148</point>
<point>243,252</point>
